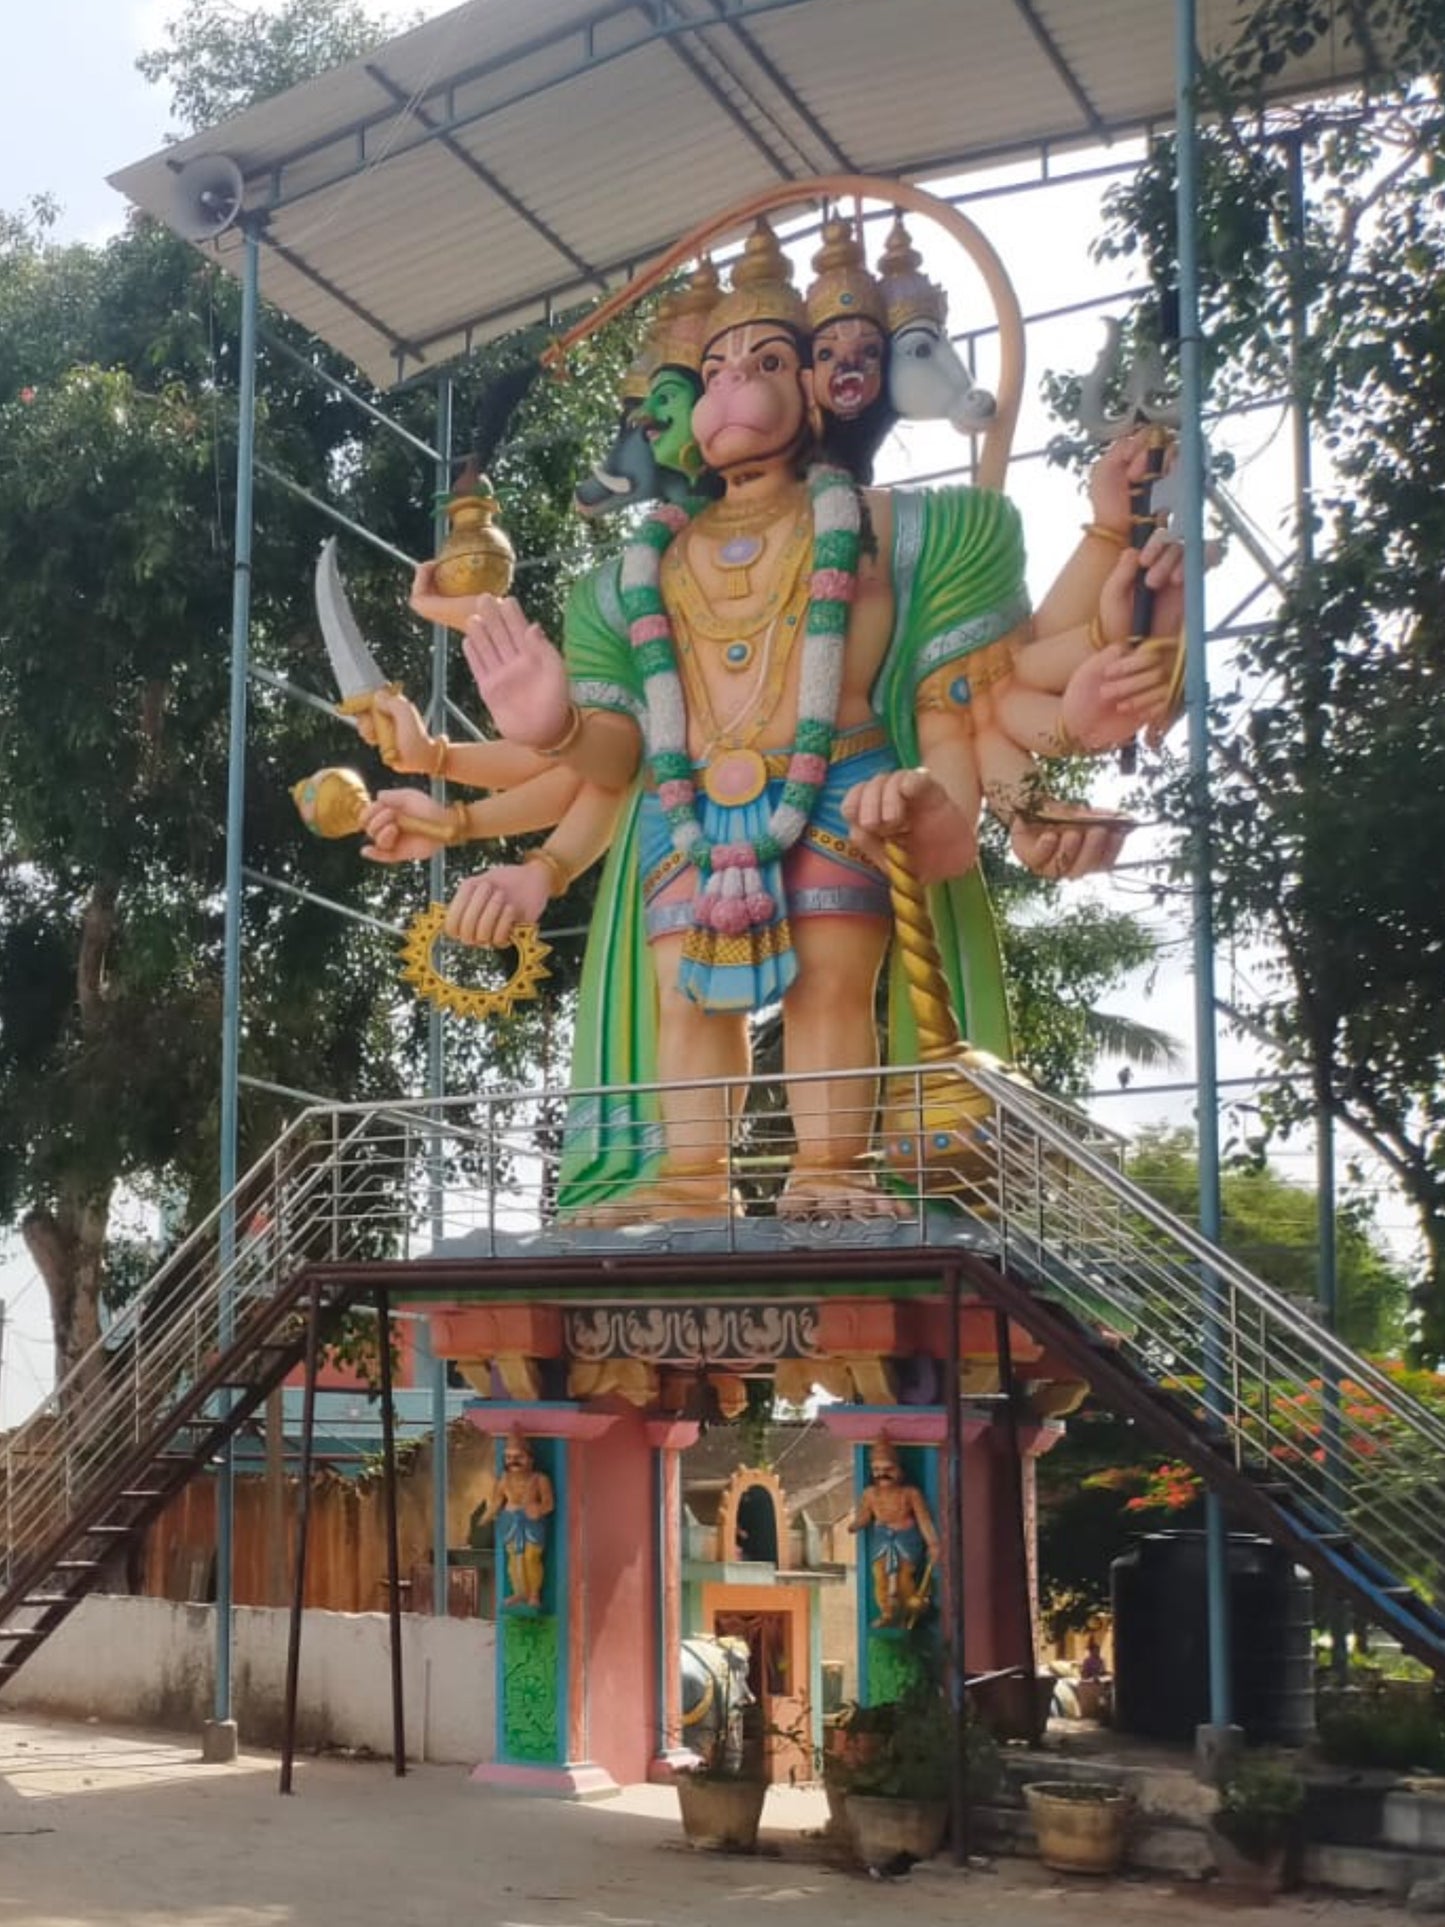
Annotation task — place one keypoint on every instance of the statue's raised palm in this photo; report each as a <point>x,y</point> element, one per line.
<point>519,671</point>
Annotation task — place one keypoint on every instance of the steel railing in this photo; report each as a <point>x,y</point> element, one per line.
<point>1038,1190</point>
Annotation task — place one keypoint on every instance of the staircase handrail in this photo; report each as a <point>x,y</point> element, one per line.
<point>1346,1363</point>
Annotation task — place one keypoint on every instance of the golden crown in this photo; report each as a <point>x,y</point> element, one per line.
<point>844,289</point>
<point>640,370</point>
<point>907,290</point>
<point>684,320</point>
<point>762,289</point>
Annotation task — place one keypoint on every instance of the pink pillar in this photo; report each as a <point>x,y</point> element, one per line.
<point>669,1439</point>
<point>606,1535</point>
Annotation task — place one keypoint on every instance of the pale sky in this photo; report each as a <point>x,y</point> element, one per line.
<point>73,109</point>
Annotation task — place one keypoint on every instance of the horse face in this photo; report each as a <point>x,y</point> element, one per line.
<point>738,1659</point>
<point>927,380</point>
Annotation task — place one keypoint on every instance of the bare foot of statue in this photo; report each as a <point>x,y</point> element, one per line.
<point>846,1191</point>
<point>678,1192</point>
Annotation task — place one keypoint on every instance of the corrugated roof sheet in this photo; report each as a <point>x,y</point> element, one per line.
<point>515,156</point>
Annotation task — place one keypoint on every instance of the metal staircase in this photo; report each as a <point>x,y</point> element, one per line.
<point>1304,1440</point>
<point>193,1357</point>
<point>1311,1443</point>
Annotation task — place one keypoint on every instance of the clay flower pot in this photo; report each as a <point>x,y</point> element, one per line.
<point>720,1813</point>
<point>1082,1825</point>
<point>885,1829</point>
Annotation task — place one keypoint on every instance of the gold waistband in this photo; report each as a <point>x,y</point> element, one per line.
<point>856,742</point>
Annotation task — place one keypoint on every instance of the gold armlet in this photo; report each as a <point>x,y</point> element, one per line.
<point>1095,636</point>
<point>1174,700</point>
<point>1062,743</point>
<point>441,750</point>
<point>459,823</point>
<point>569,734</point>
<point>1174,696</point>
<point>557,870</point>
<point>1105,534</point>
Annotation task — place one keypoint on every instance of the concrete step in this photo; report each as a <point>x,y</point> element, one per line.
<point>1392,1871</point>
<point>1155,1846</point>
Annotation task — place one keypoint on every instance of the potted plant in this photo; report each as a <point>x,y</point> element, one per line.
<point>722,1788</point>
<point>852,1739</point>
<point>1256,1829</point>
<point>897,1789</point>
<point>1082,1826</point>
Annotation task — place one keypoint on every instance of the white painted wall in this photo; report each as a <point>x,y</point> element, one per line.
<point>149,1662</point>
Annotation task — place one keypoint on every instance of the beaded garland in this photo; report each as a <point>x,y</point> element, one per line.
<point>733,898</point>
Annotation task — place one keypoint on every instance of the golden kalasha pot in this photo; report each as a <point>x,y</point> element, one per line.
<point>477,557</point>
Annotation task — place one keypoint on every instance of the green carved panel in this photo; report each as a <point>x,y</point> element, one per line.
<point>895,1667</point>
<point>531,1714</point>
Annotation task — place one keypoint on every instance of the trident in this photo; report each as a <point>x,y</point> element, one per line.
<point>1153,498</point>
<point>942,1132</point>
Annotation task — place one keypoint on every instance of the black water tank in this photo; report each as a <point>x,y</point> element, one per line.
<point>1161,1639</point>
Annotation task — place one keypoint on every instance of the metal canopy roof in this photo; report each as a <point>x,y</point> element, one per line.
<point>513,156</point>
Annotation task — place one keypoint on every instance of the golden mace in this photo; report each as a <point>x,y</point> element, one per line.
<point>937,1126</point>
<point>332,803</point>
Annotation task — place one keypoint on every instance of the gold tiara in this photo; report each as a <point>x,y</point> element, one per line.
<point>684,320</point>
<point>844,289</point>
<point>908,293</point>
<point>762,289</point>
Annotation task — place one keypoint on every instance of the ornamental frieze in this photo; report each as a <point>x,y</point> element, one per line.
<point>693,1335</point>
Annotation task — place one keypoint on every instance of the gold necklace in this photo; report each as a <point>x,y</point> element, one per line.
<point>773,648</point>
<point>744,528</point>
<point>735,636</point>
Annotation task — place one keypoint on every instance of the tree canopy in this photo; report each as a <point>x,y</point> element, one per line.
<point>117,486</point>
<point>1328,745</point>
<point>1271,1225</point>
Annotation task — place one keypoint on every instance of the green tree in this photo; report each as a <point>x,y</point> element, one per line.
<point>1271,1225</point>
<point>219,58</point>
<point>1329,753</point>
<point>117,465</point>
<point>1103,1484</point>
<point>1062,958</point>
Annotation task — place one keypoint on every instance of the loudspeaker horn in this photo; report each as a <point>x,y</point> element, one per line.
<point>206,196</point>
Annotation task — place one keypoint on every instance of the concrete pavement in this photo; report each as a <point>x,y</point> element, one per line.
<point>110,1828</point>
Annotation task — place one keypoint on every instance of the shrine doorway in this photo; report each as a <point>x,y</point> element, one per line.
<point>776,1628</point>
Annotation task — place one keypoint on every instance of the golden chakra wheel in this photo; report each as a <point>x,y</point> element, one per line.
<point>429,983</point>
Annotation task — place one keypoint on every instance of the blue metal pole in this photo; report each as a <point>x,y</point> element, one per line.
<point>1327,1265</point>
<point>436,1036</point>
<point>231,969</point>
<point>1191,518</point>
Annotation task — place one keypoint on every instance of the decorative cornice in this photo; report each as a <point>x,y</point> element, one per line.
<point>734,1334</point>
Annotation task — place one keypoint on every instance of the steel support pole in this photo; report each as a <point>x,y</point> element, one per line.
<point>960,1819</point>
<point>436,1034</point>
<point>393,1544</point>
<point>1327,1259</point>
<point>234,915</point>
<point>303,1534</point>
<point>1191,522</point>
<point>1008,1385</point>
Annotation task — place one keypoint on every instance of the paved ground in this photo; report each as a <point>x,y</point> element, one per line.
<point>109,1828</point>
